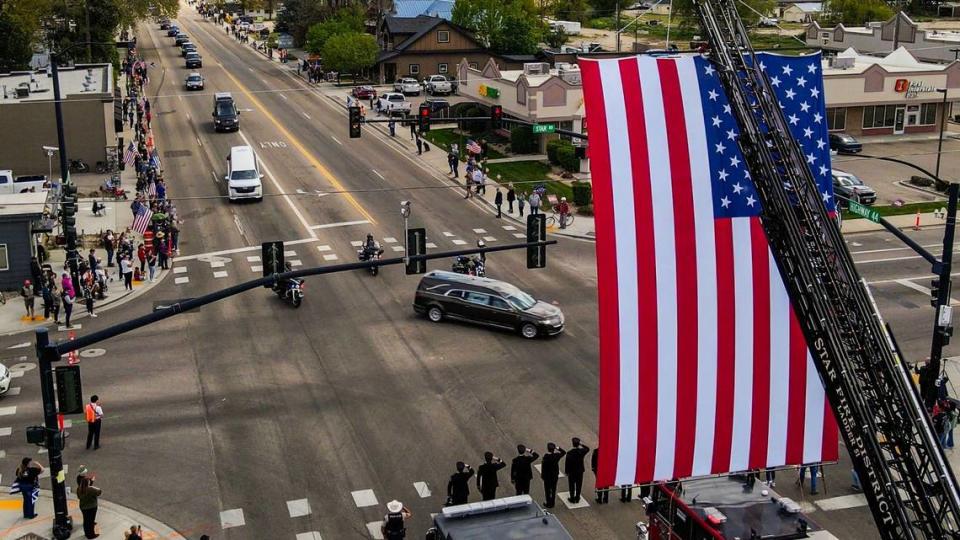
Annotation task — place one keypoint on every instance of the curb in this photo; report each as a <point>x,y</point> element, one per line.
<point>908,185</point>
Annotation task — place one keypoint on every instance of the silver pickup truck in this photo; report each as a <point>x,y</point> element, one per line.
<point>393,103</point>
<point>10,184</point>
<point>438,84</point>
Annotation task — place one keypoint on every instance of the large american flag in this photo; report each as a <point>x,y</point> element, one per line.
<point>142,219</point>
<point>703,365</point>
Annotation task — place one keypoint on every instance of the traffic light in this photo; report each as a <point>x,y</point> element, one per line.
<point>423,118</point>
<point>496,117</point>
<point>416,245</point>
<point>536,232</point>
<point>934,292</point>
<point>355,121</point>
<point>68,215</point>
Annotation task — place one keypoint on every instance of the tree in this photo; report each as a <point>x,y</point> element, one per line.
<point>345,21</point>
<point>555,38</point>
<point>299,15</point>
<point>570,10</point>
<point>352,52</point>
<point>517,35</point>
<point>15,49</point>
<point>506,26</point>
<point>857,11</point>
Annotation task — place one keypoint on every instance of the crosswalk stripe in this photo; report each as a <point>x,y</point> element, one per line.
<point>220,274</point>
<point>373,528</point>
<point>490,238</point>
<point>356,243</point>
<point>216,264</point>
<point>324,248</point>
<point>431,245</point>
<point>6,411</point>
<point>519,235</point>
<point>179,269</point>
<point>181,280</point>
<point>842,502</point>
<point>15,391</point>
<point>298,508</point>
<point>397,248</point>
<point>390,240</point>
<point>289,253</point>
<point>331,257</point>
<point>459,242</point>
<point>253,258</point>
<point>448,234</point>
<point>582,503</point>
<point>232,518</point>
<point>509,228</point>
<point>312,535</point>
<point>480,231</point>
<point>257,268</point>
<point>364,497</point>
<point>422,489</point>
<point>296,262</point>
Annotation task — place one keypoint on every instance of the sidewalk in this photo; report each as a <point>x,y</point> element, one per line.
<point>906,221</point>
<point>112,518</point>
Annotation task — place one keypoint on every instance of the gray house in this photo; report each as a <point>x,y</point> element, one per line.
<point>20,215</point>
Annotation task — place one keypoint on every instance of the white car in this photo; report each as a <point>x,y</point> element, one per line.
<point>194,81</point>
<point>393,103</point>
<point>407,86</point>
<point>4,379</point>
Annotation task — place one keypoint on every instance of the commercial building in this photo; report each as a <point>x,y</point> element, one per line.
<point>879,38</point>
<point>537,93</point>
<point>890,95</point>
<point>21,217</point>
<point>28,122</point>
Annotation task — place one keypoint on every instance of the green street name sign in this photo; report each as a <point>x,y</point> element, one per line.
<point>864,211</point>
<point>544,128</point>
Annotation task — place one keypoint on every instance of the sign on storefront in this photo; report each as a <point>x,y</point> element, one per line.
<point>911,89</point>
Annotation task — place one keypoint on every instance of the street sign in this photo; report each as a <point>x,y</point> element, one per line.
<point>539,129</point>
<point>416,245</point>
<point>69,391</point>
<point>865,212</point>
<point>272,258</point>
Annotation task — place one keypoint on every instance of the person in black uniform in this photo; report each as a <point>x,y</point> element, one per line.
<point>487,481</point>
<point>573,467</point>
<point>550,472</point>
<point>603,494</point>
<point>394,523</point>
<point>520,470</point>
<point>458,488</point>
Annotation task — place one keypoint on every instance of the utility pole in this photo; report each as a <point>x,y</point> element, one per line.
<point>86,14</point>
<point>617,25</point>
<point>896,28</point>
<point>943,121</point>
<point>69,231</point>
<point>46,354</point>
<point>942,322</point>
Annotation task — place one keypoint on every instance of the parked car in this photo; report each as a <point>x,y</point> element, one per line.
<point>181,39</point>
<point>485,301</point>
<point>768,21</point>
<point>364,92</point>
<point>194,60</point>
<point>187,47</point>
<point>173,30</point>
<point>845,144</point>
<point>847,186</point>
<point>393,103</point>
<point>438,84</point>
<point>194,81</point>
<point>437,104</point>
<point>10,184</point>
<point>407,86</point>
<point>164,24</point>
<point>5,377</point>
<point>454,84</point>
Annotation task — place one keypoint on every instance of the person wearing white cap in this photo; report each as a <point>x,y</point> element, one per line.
<point>394,523</point>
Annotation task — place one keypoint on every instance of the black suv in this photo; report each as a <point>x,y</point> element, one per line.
<point>226,117</point>
<point>485,301</point>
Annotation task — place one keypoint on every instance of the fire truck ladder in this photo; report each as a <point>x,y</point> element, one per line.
<point>909,486</point>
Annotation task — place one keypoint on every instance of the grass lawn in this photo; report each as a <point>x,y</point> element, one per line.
<point>443,138</point>
<point>525,175</point>
<point>911,208</point>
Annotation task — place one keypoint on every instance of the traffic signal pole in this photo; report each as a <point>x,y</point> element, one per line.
<point>942,321</point>
<point>53,440</point>
<point>70,232</point>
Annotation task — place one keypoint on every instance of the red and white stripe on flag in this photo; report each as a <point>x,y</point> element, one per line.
<point>703,365</point>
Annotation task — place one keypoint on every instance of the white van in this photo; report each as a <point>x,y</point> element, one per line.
<point>244,180</point>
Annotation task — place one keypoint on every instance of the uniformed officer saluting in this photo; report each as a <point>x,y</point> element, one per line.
<point>487,481</point>
<point>520,470</point>
<point>458,488</point>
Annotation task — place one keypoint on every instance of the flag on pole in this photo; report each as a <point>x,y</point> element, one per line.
<point>473,147</point>
<point>130,154</point>
<point>703,365</point>
<point>155,159</point>
<point>142,219</point>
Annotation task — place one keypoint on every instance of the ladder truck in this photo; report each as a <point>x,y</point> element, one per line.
<point>908,484</point>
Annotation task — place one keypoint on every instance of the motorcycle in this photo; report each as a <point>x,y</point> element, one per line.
<point>78,165</point>
<point>470,266</point>
<point>290,290</point>
<point>364,254</point>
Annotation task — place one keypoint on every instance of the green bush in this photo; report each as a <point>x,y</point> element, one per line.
<point>552,150</point>
<point>582,193</point>
<point>921,181</point>
<point>567,157</point>
<point>585,210</point>
<point>522,140</point>
<point>473,126</point>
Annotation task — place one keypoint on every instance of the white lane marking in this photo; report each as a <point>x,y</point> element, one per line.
<point>199,143</point>
<point>289,253</point>
<point>356,243</point>
<point>509,228</point>
<point>390,240</point>
<point>397,248</point>
<point>331,257</point>
<point>256,268</point>
<point>519,235</point>
<point>276,184</point>
<point>489,238</point>
<point>373,529</point>
<point>891,259</point>
<point>6,432</point>
<point>908,278</point>
<point>67,423</point>
<point>179,269</point>
<point>422,489</point>
<point>253,258</point>
<point>855,244</point>
<point>308,116</point>
<point>378,174</point>
<point>250,68</point>
<point>296,262</point>
<point>188,116</point>
<point>431,245</point>
<point>181,280</point>
<point>865,251</point>
<point>6,411</point>
<point>448,234</point>
<point>74,327</point>
<point>921,289</point>
<point>15,391</point>
<point>336,140</point>
<point>364,498</point>
<point>216,264</point>
<point>20,345</point>
<point>312,535</point>
<point>459,242</point>
<point>299,507</point>
<point>236,221</point>
<point>842,502</point>
<point>264,81</point>
<point>480,231</point>
<point>232,518</point>
<point>240,250</point>
<point>216,178</point>
<point>283,96</point>
<point>220,274</point>
<point>324,248</point>
<point>582,503</point>
<point>16,373</point>
<point>340,224</point>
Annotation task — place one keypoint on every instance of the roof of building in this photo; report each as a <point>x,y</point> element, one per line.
<point>898,61</point>
<point>397,25</point>
<point>19,204</point>
<point>808,7</point>
<point>433,8</point>
<point>80,80</point>
<point>420,26</point>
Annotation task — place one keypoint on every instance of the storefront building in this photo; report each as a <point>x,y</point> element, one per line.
<point>891,95</point>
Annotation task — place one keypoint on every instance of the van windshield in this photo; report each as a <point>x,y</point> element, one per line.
<point>244,175</point>
<point>520,299</point>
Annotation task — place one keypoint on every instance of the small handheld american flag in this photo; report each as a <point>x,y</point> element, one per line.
<point>473,147</point>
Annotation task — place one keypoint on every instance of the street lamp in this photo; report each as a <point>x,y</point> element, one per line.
<point>49,150</point>
<point>956,54</point>
<point>405,212</point>
<point>943,118</point>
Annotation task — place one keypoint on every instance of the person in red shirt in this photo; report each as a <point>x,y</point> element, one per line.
<point>563,209</point>
<point>142,255</point>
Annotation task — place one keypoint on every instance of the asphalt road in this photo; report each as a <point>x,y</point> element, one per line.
<point>248,404</point>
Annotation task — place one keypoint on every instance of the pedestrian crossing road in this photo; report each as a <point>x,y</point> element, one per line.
<point>246,264</point>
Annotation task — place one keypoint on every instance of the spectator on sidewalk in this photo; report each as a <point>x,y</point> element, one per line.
<point>511,196</point>
<point>88,494</point>
<point>534,203</point>
<point>142,257</point>
<point>152,264</point>
<point>127,272</point>
<point>27,293</point>
<point>498,202</point>
<point>28,484</point>
<point>564,210</point>
<point>392,126</point>
<point>55,300</point>
<point>88,301</point>
<point>419,145</point>
<point>109,246</point>
<point>67,300</point>
<point>520,202</point>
